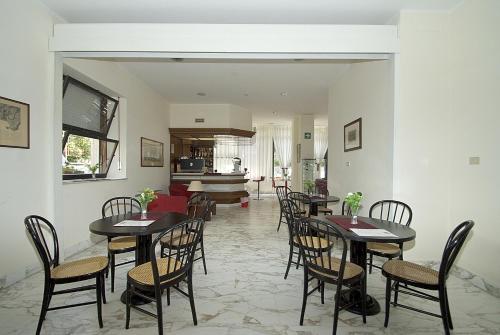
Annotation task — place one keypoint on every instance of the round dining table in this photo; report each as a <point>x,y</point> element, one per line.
<point>358,253</point>
<point>316,200</point>
<point>162,221</point>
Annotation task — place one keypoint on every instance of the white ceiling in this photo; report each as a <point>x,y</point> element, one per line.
<point>271,90</point>
<point>234,11</point>
<point>305,83</point>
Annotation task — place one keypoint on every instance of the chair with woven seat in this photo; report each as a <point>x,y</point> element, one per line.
<point>301,201</point>
<point>411,274</point>
<point>394,211</point>
<point>281,192</point>
<point>119,245</point>
<point>322,207</point>
<point>167,272</point>
<point>293,213</point>
<point>198,207</point>
<point>42,233</point>
<point>325,267</point>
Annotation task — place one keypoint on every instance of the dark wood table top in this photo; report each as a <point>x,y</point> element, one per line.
<point>319,199</point>
<point>105,226</point>
<point>402,232</point>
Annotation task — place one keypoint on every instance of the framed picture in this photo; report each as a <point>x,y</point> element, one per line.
<point>14,124</point>
<point>151,153</point>
<point>352,135</point>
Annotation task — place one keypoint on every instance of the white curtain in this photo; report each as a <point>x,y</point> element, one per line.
<point>320,142</point>
<point>257,158</point>
<point>282,136</point>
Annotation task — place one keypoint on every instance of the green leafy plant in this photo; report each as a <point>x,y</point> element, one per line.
<point>93,167</point>
<point>354,201</point>
<point>309,185</point>
<point>146,197</point>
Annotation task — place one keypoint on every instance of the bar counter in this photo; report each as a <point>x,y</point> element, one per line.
<point>223,188</point>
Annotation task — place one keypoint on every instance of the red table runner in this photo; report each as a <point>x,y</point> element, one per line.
<point>346,223</point>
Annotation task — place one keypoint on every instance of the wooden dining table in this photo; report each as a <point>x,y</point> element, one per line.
<point>162,221</point>
<point>358,253</point>
<point>316,200</point>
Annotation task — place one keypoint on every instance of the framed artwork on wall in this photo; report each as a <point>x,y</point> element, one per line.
<point>14,124</point>
<point>151,153</point>
<point>352,135</point>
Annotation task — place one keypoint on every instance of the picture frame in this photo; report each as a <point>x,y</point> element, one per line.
<point>151,153</point>
<point>353,135</point>
<point>14,124</point>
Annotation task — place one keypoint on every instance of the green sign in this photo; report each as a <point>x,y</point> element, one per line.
<point>307,136</point>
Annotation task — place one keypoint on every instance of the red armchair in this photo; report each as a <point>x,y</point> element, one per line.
<point>169,203</point>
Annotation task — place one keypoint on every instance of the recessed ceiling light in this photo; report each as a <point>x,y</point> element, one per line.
<point>284,94</point>
<point>201,94</point>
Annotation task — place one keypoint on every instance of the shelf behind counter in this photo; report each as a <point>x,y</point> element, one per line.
<point>224,188</point>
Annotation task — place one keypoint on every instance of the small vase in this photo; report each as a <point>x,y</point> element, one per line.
<point>354,214</point>
<point>93,175</point>
<point>144,211</point>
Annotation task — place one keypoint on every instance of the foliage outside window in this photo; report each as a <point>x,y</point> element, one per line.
<point>87,117</point>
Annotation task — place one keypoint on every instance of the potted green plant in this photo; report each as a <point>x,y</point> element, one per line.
<point>353,200</point>
<point>93,168</point>
<point>309,186</point>
<point>145,198</point>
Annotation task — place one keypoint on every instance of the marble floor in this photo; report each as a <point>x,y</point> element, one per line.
<point>243,293</point>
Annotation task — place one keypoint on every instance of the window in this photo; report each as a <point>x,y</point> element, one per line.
<point>87,118</point>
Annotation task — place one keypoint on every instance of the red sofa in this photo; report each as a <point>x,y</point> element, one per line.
<point>180,189</point>
<point>169,203</point>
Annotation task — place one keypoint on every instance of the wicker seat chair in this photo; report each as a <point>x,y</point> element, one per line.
<point>302,201</point>
<point>322,208</point>
<point>281,192</point>
<point>119,245</point>
<point>411,274</point>
<point>167,272</point>
<point>42,233</point>
<point>326,268</point>
<point>390,210</point>
<point>293,213</point>
<point>198,207</point>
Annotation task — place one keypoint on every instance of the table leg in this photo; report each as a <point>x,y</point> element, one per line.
<point>313,208</point>
<point>142,255</point>
<point>358,256</point>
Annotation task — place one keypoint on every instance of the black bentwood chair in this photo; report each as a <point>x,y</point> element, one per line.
<point>198,208</point>
<point>302,201</point>
<point>326,268</point>
<point>119,245</point>
<point>394,211</point>
<point>43,235</point>
<point>411,274</point>
<point>167,272</point>
<point>281,192</point>
<point>292,213</point>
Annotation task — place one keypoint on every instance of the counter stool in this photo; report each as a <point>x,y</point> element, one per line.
<point>258,186</point>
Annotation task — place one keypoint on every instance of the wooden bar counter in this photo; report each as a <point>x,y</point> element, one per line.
<point>223,188</point>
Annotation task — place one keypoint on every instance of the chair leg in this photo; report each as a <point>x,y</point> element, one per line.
<point>128,298</point>
<point>109,262</point>
<point>322,287</point>
<point>279,223</point>
<point>298,260</point>
<point>203,255</point>
<point>112,265</point>
<point>191,297</point>
<point>363,298</point>
<point>450,323</point>
<point>396,293</point>
<point>168,296</point>
<point>304,297</point>
<point>45,305</point>
<point>99,299</point>
<point>159,312</point>
<point>162,251</point>
<point>336,310</point>
<point>290,255</point>
<point>444,311</point>
<point>103,288</point>
<point>387,301</point>
<point>371,263</point>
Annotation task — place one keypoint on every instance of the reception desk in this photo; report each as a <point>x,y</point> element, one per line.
<point>223,188</point>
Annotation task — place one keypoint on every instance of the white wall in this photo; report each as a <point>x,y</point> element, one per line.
<point>475,119</point>
<point>215,115</point>
<point>365,91</point>
<point>146,116</point>
<point>26,177</point>
<point>448,112</point>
